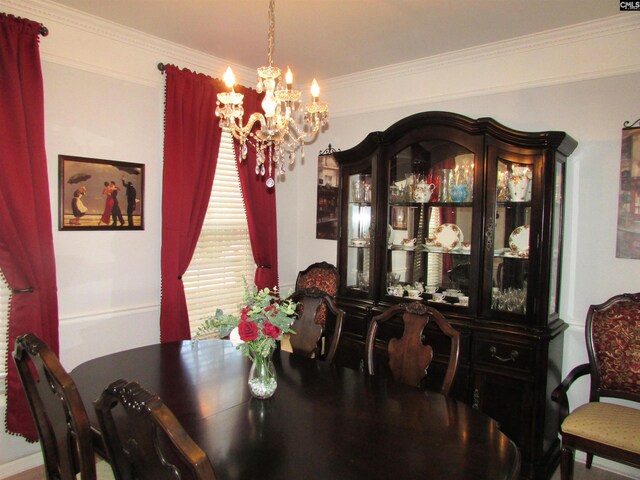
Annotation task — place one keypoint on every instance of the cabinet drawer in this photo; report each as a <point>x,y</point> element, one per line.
<point>507,355</point>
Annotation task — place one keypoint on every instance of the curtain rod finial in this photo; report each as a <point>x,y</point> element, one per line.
<point>162,67</point>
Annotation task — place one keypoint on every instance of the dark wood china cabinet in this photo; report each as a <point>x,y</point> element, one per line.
<point>466,216</point>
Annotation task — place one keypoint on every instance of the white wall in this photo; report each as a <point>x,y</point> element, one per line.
<point>104,99</point>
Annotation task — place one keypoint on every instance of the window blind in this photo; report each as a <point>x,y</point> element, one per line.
<point>434,262</point>
<point>4,329</point>
<point>223,258</point>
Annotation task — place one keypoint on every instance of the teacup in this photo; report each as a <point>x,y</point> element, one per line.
<point>430,289</point>
<point>438,297</point>
<point>466,246</point>
<point>463,300</point>
<point>452,292</point>
<point>408,242</point>
<point>394,290</point>
<point>414,293</point>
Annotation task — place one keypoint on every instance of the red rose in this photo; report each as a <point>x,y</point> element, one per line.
<point>244,314</point>
<point>271,308</point>
<point>270,330</point>
<point>248,331</point>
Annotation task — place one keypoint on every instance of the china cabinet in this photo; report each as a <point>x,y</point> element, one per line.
<point>465,215</point>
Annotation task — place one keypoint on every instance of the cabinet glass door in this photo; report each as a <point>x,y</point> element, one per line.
<point>511,233</point>
<point>429,231</point>
<point>359,234</point>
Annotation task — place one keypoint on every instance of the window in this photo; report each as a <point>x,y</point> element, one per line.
<point>223,258</point>
<point>4,328</point>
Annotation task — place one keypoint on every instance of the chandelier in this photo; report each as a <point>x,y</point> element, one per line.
<point>280,130</point>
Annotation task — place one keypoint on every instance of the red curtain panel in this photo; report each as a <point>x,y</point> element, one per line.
<point>260,204</point>
<point>191,143</point>
<point>26,240</point>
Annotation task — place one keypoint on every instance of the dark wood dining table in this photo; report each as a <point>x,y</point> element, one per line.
<point>323,422</point>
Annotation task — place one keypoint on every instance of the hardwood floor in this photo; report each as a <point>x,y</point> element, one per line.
<point>103,471</point>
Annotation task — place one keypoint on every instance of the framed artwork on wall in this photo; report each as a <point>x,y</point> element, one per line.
<point>96,194</point>
<point>628,234</point>
<point>328,195</point>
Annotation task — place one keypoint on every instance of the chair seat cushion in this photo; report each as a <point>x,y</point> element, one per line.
<point>606,423</point>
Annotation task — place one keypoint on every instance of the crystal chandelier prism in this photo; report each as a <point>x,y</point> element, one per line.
<point>283,127</point>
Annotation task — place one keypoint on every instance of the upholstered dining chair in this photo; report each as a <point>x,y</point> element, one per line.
<point>310,337</point>
<point>58,411</point>
<point>324,277</point>
<point>409,358</point>
<point>608,430</point>
<point>144,440</point>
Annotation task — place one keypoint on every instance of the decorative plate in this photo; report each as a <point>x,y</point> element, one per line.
<point>448,236</point>
<point>519,241</point>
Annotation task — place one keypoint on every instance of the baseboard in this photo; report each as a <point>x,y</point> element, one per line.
<point>20,465</point>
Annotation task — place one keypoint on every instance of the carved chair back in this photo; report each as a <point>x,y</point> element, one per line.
<point>307,340</point>
<point>324,277</point>
<point>613,346</point>
<point>144,440</point>
<point>57,409</point>
<point>409,358</point>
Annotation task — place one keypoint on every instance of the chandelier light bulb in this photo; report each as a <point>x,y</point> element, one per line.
<point>315,89</point>
<point>229,78</point>
<point>289,77</point>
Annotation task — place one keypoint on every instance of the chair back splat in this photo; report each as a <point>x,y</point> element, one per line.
<point>409,358</point>
<point>612,332</point>
<point>57,409</point>
<point>144,440</point>
<point>308,337</point>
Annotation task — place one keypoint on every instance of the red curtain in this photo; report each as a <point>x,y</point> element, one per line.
<point>260,204</point>
<point>191,143</point>
<point>26,239</point>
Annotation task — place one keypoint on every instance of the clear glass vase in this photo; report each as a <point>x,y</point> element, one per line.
<point>262,376</point>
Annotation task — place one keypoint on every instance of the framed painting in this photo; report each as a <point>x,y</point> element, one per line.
<point>628,231</point>
<point>96,194</point>
<point>328,194</point>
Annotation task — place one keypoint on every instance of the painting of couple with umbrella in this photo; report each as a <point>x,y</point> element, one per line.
<point>99,194</point>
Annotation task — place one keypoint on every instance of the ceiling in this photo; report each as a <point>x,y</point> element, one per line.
<point>330,38</point>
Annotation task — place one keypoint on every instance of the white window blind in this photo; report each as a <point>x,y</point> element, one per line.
<point>4,329</point>
<point>223,257</point>
<point>434,262</point>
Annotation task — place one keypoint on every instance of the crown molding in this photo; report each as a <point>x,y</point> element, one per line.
<point>601,42</point>
<point>59,18</point>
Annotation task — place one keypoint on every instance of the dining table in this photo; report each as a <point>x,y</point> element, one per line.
<point>323,422</point>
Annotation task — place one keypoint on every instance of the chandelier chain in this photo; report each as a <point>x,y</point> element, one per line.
<point>272,30</point>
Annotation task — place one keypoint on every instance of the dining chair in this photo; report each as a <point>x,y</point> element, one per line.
<point>57,409</point>
<point>409,358</point>
<point>609,430</point>
<point>324,277</point>
<point>144,440</point>
<point>310,337</point>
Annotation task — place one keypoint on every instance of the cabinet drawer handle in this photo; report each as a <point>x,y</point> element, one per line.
<point>512,356</point>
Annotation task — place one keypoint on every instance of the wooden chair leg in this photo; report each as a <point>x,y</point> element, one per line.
<point>589,459</point>
<point>566,467</point>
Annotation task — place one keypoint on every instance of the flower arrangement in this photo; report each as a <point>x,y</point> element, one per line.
<point>263,321</point>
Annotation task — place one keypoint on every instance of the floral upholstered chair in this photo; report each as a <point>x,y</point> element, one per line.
<point>322,276</point>
<point>598,428</point>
